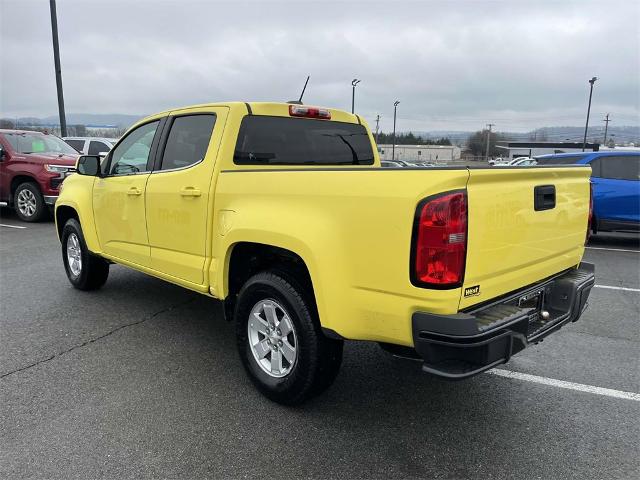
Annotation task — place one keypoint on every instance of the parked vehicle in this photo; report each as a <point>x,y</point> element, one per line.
<point>32,167</point>
<point>522,162</point>
<point>283,213</point>
<point>616,186</point>
<point>91,145</point>
<point>390,164</point>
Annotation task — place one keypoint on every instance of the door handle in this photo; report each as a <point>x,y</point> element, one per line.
<point>134,191</point>
<point>190,192</point>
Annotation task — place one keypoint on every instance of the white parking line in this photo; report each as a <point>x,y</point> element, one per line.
<point>579,387</point>
<point>612,249</point>
<point>626,289</point>
<point>10,226</point>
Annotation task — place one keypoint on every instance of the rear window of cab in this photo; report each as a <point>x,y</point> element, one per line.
<point>266,140</point>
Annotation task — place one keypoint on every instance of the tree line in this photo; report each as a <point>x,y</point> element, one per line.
<point>410,139</point>
<point>72,130</point>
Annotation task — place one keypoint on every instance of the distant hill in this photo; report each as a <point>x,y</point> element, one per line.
<point>116,119</point>
<point>620,134</point>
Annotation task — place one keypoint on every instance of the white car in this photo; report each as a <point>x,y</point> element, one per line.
<point>523,162</point>
<point>91,145</point>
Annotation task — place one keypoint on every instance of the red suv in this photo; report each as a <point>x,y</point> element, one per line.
<point>32,167</point>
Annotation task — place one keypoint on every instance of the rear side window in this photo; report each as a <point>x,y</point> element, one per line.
<point>76,144</point>
<point>295,141</point>
<point>97,147</point>
<point>623,167</point>
<point>188,141</point>
<point>560,160</point>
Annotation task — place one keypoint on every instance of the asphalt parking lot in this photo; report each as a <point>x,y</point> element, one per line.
<point>142,379</point>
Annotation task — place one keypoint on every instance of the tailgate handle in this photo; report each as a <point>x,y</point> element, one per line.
<point>544,197</point>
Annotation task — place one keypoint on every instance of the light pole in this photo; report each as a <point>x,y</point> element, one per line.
<point>393,145</point>
<point>354,82</point>
<point>591,82</point>
<point>56,61</point>
<point>377,127</point>
<point>486,154</point>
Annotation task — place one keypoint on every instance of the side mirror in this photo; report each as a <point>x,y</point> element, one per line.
<point>2,154</point>
<point>88,165</point>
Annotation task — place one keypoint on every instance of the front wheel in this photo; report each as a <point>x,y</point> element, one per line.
<point>84,270</point>
<point>280,341</point>
<point>29,202</point>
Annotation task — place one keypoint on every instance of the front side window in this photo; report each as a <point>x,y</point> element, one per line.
<point>267,140</point>
<point>623,167</point>
<point>188,141</point>
<point>132,154</point>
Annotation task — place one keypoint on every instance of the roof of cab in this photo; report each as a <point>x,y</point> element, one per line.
<point>262,108</point>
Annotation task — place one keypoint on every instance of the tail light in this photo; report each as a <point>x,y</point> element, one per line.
<point>309,112</point>
<point>590,220</point>
<point>440,241</point>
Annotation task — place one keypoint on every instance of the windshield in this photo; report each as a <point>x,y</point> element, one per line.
<point>38,143</point>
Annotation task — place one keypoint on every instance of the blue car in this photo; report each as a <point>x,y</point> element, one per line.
<point>616,186</point>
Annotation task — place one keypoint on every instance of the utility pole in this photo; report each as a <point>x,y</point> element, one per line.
<point>393,146</point>
<point>591,82</point>
<point>354,82</point>
<point>486,155</point>
<point>606,127</point>
<point>377,125</point>
<point>56,61</point>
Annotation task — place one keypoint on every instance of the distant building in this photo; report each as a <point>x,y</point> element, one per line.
<point>530,149</point>
<point>421,153</point>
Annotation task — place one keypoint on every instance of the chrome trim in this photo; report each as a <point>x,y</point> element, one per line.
<point>178,168</point>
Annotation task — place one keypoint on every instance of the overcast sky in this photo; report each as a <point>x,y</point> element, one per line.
<point>453,65</point>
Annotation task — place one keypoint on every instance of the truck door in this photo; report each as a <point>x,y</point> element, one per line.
<point>616,190</point>
<point>118,196</point>
<point>180,193</point>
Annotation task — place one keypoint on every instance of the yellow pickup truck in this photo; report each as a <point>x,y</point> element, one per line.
<point>283,212</point>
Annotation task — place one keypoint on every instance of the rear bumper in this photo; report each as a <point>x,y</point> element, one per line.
<point>462,345</point>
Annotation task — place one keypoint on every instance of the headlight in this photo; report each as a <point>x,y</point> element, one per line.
<point>58,168</point>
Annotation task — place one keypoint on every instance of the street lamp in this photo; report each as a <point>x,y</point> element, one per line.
<point>56,62</point>
<point>393,146</point>
<point>591,82</point>
<point>354,82</point>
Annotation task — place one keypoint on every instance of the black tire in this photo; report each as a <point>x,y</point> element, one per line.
<point>35,209</point>
<point>318,358</point>
<point>93,271</point>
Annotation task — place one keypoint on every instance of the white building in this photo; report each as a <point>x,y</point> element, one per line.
<point>421,153</point>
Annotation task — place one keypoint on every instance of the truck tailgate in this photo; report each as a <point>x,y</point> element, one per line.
<point>514,239</point>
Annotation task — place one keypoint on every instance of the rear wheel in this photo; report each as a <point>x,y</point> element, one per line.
<point>84,270</point>
<point>280,341</point>
<point>29,203</point>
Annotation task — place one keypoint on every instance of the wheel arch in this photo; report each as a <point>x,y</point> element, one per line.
<point>63,214</point>
<point>244,259</point>
<point>22,178</point>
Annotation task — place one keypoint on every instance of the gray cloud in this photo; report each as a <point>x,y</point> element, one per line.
<point>453,65</point>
